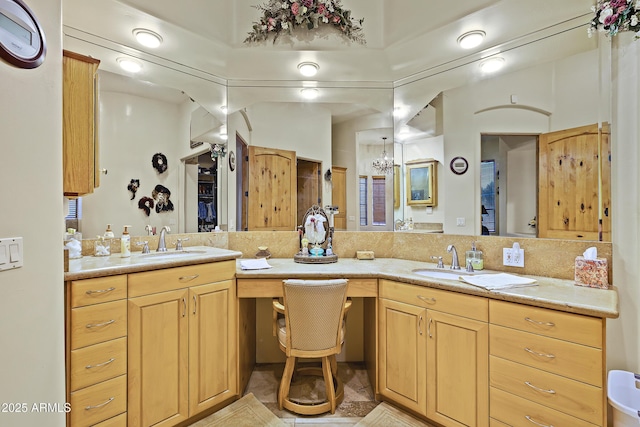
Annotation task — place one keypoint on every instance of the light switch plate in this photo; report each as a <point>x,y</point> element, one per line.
<point>11,255</point>
<point>512,257</point>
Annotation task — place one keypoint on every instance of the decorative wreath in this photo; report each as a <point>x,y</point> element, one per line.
<point>162,194</point>
<point>133,187</point>
<point>146,204</point>
<point>159,162</point>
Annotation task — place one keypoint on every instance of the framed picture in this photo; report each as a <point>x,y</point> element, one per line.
<point>422,183</point>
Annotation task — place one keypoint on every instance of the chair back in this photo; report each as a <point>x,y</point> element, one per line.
<point>314,310</point>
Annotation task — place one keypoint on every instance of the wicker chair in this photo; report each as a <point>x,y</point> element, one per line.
<point>312,327</point>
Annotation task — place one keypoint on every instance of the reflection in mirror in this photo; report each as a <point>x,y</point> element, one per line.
<point>140,117</point>
<point>343,127</point>
<point>512,108</point>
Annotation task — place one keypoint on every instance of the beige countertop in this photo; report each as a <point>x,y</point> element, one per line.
<point>549,293</point>
<point>89,267</point>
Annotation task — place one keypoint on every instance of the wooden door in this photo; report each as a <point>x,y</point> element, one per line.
<point>568,184</point>
<point>308,188</point>
<point>212,345</point>
<point>402,354</point>
<point>605,195</point>
<point>158,359</point>
<point>272,189</point>
<point>457,370</point>
<point>339,196</point>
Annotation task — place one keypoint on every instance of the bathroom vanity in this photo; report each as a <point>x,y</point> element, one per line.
<point>444,350</point>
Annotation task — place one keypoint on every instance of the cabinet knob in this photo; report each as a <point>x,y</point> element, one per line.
<point>104,171</point>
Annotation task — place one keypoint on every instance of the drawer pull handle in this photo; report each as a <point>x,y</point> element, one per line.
<point>100,364</point>
<point>97,325</point>
<point>195,301</point>
<point>101,291</point>
<point>528,319</point>
<point>425,299</point>
<point>540,389</point>
<point>537,423</point>
<point>550,356</point>
<point>88,408</point>
<point>184,306</point>
<point>188,278</point>
<point>420,325</point>
<point>429,327</point>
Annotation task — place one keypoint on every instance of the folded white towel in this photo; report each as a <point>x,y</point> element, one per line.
<point>254,264</point>
<point>498,281</point>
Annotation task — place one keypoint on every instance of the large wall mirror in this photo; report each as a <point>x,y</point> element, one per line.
<point>496,123</point>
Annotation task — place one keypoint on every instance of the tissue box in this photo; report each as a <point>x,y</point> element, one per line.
<point>592,272</point>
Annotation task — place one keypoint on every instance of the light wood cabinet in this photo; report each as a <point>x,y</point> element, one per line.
<point>433,354</point>
<point>80,168</point>
<point>182,343</point>
<point>547,367</point>
<point>96,346</point>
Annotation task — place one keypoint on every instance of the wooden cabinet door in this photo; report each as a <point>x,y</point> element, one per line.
<point>339,196</point>
<point>158,359</point>
<point>402,354</point>
<point>272,189</point>
<point>457,370</point>
<point>79,105</point>
<point>212,345</point>
<point>568,183</point>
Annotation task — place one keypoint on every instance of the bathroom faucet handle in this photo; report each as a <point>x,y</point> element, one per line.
<point>439,259</point>
<point>179,243</point>
<point>469,267</point>
<point>145,247</point>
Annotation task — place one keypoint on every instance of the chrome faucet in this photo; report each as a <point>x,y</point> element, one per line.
<point>162,245</point>
<point>455,265</point>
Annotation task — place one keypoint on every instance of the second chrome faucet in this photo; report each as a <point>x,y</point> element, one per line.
<point>455,264</point>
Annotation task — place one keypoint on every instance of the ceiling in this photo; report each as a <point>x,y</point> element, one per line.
<point>407,40</point>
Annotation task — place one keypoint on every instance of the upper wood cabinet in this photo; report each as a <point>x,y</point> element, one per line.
<point>79,128</point>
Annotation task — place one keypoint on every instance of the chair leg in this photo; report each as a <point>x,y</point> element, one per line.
<point>328,383</point>
<point>285,382</point>
<point>334,365</point>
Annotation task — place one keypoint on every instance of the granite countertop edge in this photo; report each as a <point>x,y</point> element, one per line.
<point>557,294</point>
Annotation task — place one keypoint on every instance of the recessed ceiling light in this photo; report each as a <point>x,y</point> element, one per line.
<point>309,93</point>
<point>129,64</point>
<point>147,38</point>
<point>471,39</point>
<point>308,69</point>
<point>492,64</point>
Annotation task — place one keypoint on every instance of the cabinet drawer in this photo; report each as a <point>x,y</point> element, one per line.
<point>117,421</point>
<point>269,288</point>
<point>96,363</point>
<point>559,357</point>
<point>99,402</point>
<point>434,299</point>
<point>518,412</point>
<point>551,323</point>
<point>151,282</point>
<point>94,291</point>
<point>572,397</point>
<point>98,323</point>
<point>495,423</point>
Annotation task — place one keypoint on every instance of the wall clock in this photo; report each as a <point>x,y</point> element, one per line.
<point>232,161</point>
<point>459,165</point>
<point>22,41</point>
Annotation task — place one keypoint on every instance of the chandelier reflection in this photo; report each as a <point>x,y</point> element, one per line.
<point>383,164</point>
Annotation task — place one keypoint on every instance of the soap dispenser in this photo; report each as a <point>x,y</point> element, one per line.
<point>125,243</point>
<point>108,234</point>
<point>475,256</point>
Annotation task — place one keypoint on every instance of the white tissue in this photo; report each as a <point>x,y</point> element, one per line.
<point>75,248</point>
<point>590,253</point>
<point>320,226</point>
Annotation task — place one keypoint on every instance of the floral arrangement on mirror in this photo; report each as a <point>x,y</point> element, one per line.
<point>282,16</point>
<point>218,150</point>
<point>614,16</point>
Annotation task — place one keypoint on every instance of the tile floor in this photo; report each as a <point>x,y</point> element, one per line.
<point>358,394</point>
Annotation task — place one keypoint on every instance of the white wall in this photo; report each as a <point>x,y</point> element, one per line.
<point>31,297</point>
<point>133,129</point>
<point>522,189</point>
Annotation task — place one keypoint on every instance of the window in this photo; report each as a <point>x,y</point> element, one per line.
<point>363,200</point>
<point>488,193</point>
<point>379,208</point>
<point>75,209</point>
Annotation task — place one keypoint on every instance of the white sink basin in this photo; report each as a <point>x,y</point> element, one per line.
<point>443,273</point>
<point>171,254</point>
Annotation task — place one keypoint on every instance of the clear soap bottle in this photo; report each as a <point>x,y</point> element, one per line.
<point>125,243</point>
<point>475,256</point>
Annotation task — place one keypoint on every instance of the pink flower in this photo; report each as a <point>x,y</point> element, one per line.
<point>295,8</point>
<point>336,18</point>
<point>321,9</point>
<point>272,24</point>
<point>610,19</point>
